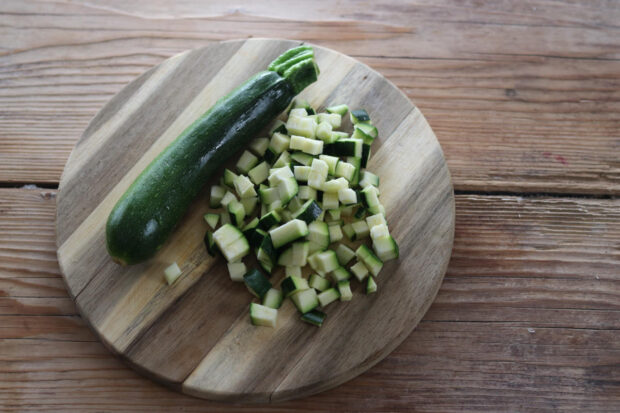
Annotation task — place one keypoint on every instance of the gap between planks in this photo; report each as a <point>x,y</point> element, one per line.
<point>47,185</point>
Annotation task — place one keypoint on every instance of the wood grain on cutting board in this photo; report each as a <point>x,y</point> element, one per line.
<point>195,335</point>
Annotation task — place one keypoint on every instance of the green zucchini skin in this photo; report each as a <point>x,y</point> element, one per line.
<point>148,212</point>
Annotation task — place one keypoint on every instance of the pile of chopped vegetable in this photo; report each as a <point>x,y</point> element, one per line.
<point>292,199</point>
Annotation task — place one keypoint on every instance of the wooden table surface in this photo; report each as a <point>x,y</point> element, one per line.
<point>524,97</point>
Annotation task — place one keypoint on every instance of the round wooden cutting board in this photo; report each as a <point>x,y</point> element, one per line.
<point>195,335</point>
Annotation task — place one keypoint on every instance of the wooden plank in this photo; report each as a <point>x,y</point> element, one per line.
<point>521,323</point>
<point>522,97</point>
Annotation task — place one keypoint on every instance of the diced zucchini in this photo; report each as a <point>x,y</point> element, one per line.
<point>344,288</point>
<point>328,296</point>
<point>372,262</point>
<point>356,161</point>
<point>368,178</point>
<point>224,217</point>
<point>300,111</point>
<point>261,315</point>
<point>236,212</point>
<point>347,196</point>
<point>386,248</point>
<point>349,231</point>
<point>318,283</point>
<point>273,298</point>
<point>314,317</point>
<point>346,211</point>
<point>212,219</point>
<point>371,286</point>
<point>307,193</point>
<point>294,204</point>
<point>229,177</point>
<point>332,163</point>
<point>268,195</point>
<point>293,270</point>
<point>359,116</point>
<point>360,270</point>
<point>172,273</point>
<point>302,103</point>
<point>370,197</point>
<point>231,242</point>
<point>270,155</point>
<point>301,172</point>
<point>366,131</point>
<point>314,247</point>
<point>324,262</point>
<point>285,258</point>
<point>302,158</point>
<point>291,285</point>
<point>250,225</point>
<point>345,170</point>
<point>324,131</point>
<point>318,233</point>
<point>269,220</point>
<point>287,190</point>
<point>360,213</point>
<point>344,254</point>
<point>295,255</point>
<point>305,300</point>
<point>301,125</point>
<point>237,250</point>
<point>318,174</point>
<point>377,219</point>
<point>236,270</point>
<point>279,143</point>
<point>283,160</point>
<point>335,233</point>
<point>379,209</point>
<point>288,232</point>
<point>334,214</point>
<point>266,254</point>
<point>257,283</point>
<point>340,274</point>
<point>246,161</point>
<point>379,231</point>
<point>335,185</point>
<point>216,196</point>
<point>249,204</point>
<point>259,145</point>
<point>276,206</point>
<point>255,236</point>
<point>366,151</point>
<point>346,147</point>
<point>279,174</point>
<point>361,229</point>
<point>334,119</point>
<point>228,197</point>
<point>209,242</point>
<point>330,200</point>
<point>308,212</point>
<point>337,135</point>
<point>339,109</point>
<point>278,126</point>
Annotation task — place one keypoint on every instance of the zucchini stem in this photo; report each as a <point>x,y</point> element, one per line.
<point>297,65</point>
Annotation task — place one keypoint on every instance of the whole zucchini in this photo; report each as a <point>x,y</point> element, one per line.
<point>148,212</point>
